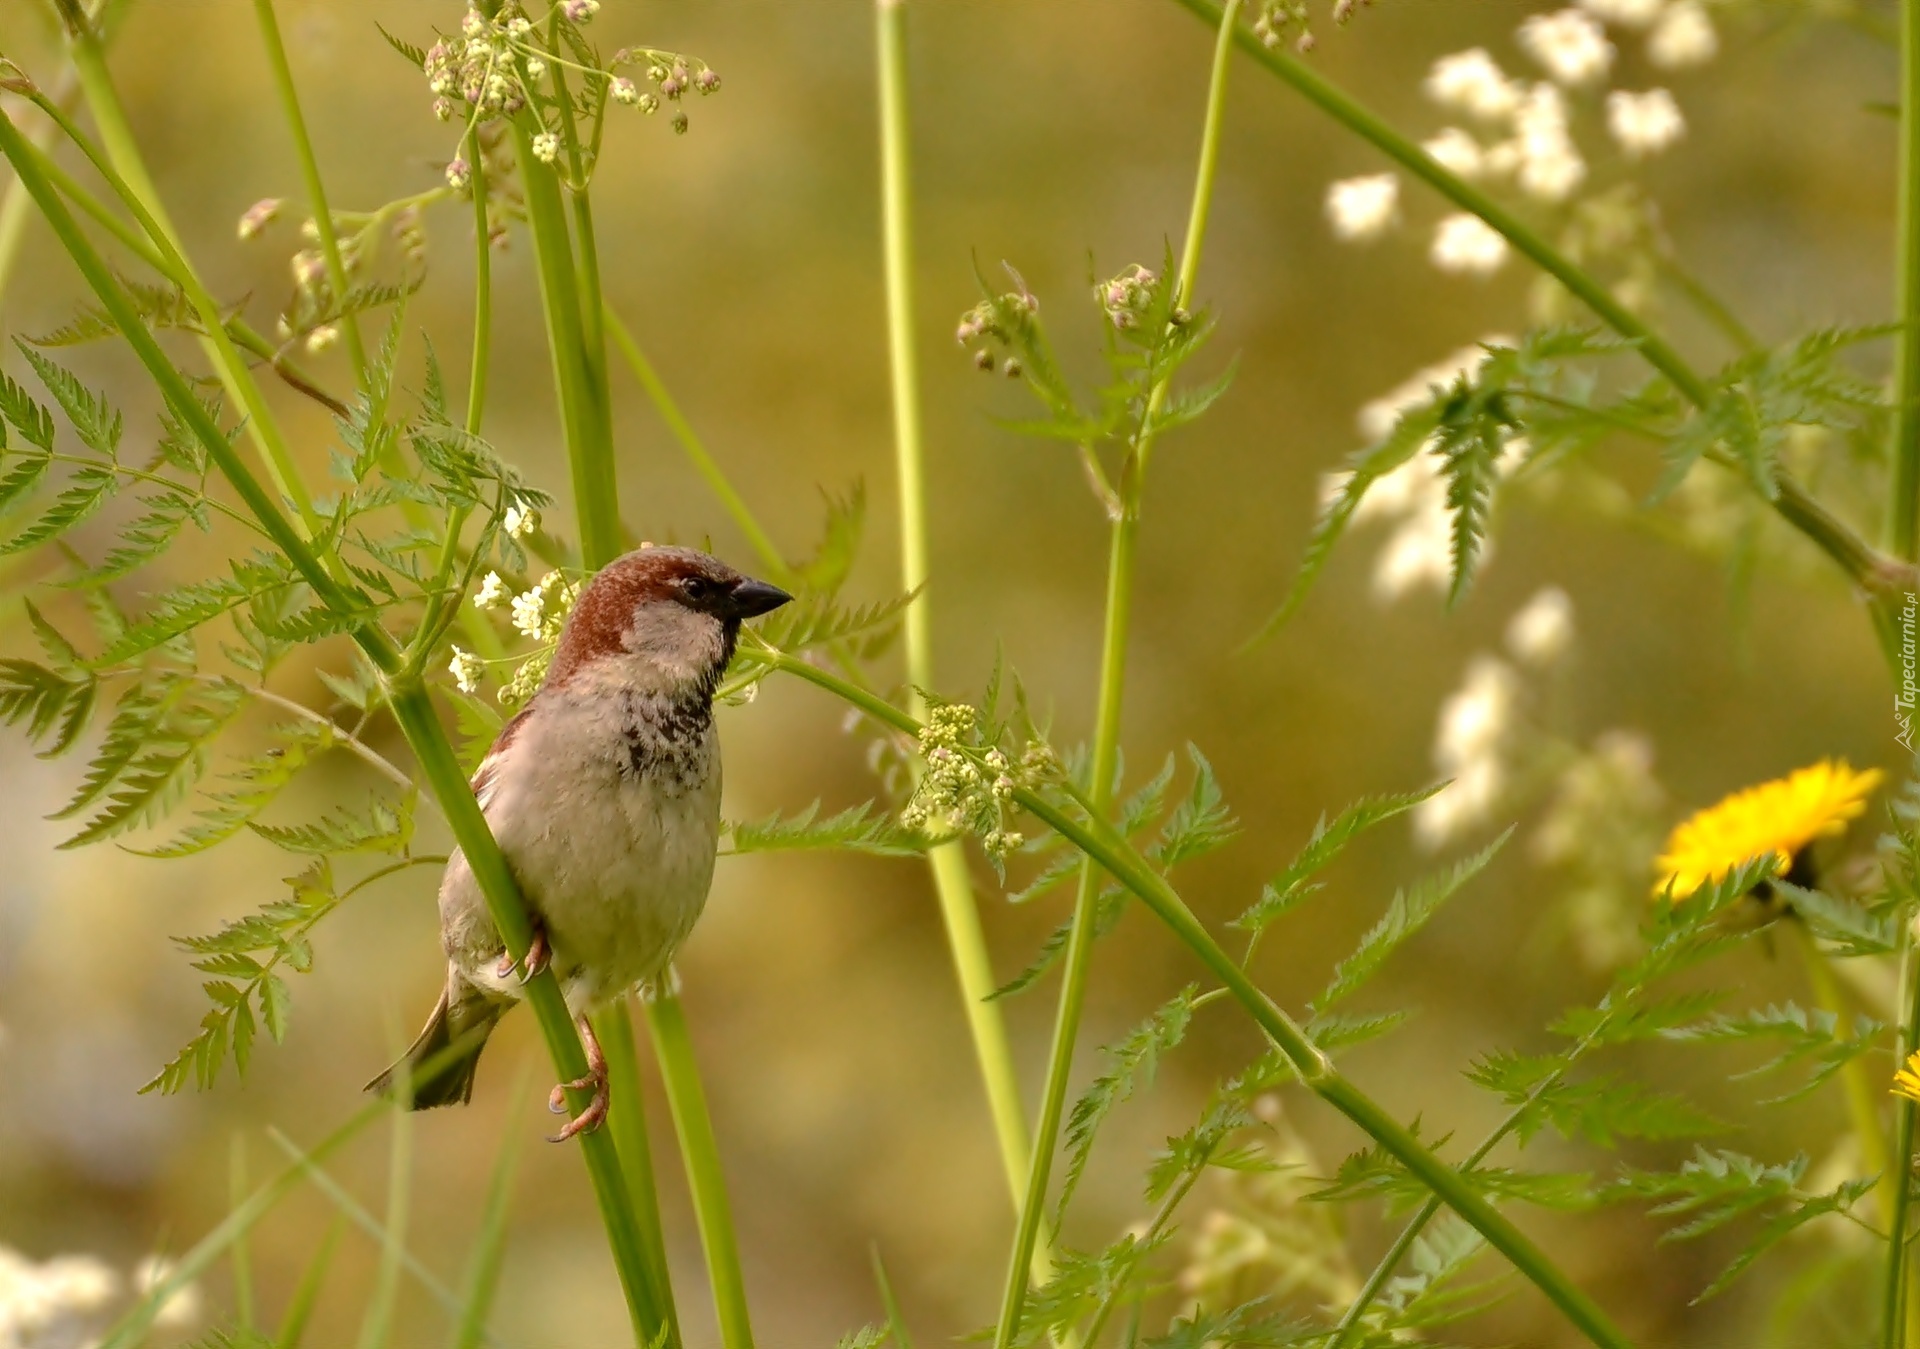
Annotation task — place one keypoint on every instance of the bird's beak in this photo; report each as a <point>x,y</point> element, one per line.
<point>752,598</point>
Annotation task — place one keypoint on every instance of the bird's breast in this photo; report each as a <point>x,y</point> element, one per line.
<point>607,806</point>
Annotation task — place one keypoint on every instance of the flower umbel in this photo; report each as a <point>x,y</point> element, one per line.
<point>1778,819</point>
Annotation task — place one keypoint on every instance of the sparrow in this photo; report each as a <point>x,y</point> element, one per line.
<point>604,795</point>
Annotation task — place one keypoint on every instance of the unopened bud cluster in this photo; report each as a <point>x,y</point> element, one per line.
<point>1127,297</point>
<point>488,71</point>
<point>1287,22</point>
<point>981,329</point>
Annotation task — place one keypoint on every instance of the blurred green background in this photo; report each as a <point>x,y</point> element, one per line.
<point>746,257</point>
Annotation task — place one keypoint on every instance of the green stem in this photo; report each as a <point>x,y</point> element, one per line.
<point>128,175</point>
<point>1098,839</point>
<point>958,911</point>
<point>594,490</point>
<point>1853,554</point>
<point>703,462</point>
<point>482,288</point>
<point>1897,1293</point>
<point>706,1179</point>
<point>1905,530</point>
<point>310,171</point>
<point>1116,628</point>
<point>627,1118</point>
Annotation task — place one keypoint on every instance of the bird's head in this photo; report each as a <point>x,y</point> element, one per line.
<point>671,615</point>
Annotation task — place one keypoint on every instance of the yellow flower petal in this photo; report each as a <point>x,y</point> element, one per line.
<point>1776,819</point>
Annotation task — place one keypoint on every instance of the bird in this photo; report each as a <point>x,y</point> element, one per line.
<point>604,795</point>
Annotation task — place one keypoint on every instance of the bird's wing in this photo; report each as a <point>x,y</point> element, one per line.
<point>486,777</point>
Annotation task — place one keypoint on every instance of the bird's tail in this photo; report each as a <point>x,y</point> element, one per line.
<point>438,1066</point>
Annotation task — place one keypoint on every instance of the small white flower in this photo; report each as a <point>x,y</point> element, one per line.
<point>309,268</point>
<point>1418,555</point>
<point>1570,45</point>
<point>1541,632</point>
<point>322,337</point>
<point>1549,165</point>
<point>521,521</point>
<point>625,91</point>
<point>1457,152</point>
<point>518,27</point>
<point>535,69</point>
<point>1362,208</point>
<point>459,174</point>
<point>580,11</point>
<point>466,669</point>
<point>1474,720</point>
<point>1466,243</point>
<point>474,24</point>
<point>1624,13</point>
<point>1683,37</point>
<point>1644,124</point>
<point>492,590</point>
<point>529,612</point>
<point>1472,82</point>
<point>546,147</point>
<point>1465,803</point>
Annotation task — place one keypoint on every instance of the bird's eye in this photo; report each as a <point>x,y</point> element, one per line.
<point>693,587</point>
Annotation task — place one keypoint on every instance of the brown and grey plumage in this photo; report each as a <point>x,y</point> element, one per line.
<point>604,793</point>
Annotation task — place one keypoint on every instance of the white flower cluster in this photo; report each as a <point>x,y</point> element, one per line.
<point>964,788</point>
<point>1520,130</point>
<point>541,611</point>
<point>1474,738</point>
<point>538,613</point>
<point>68,1300</point>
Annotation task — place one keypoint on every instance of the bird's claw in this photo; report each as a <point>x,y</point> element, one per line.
<point>539,956</point>
<point>595,1113</point>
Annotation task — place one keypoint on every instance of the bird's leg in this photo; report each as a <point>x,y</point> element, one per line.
<point>539,956</point>
<point>596,1081</point>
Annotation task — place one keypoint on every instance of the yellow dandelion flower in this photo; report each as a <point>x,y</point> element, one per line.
<point>1906,1082</point>
<point>1776,819</point>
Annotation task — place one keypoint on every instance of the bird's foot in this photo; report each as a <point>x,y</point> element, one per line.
<point>595,1081</point>
<point>539,956</point>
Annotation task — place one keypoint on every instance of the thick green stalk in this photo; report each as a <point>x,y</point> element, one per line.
<point>310,171</point>
<point>482,289</point>
<point>1905,530</point>
<point>1897,1290</point>
<point>960,915</point>
<point>703,462</point>
<point>595,488</point>
<point>408,699</point>
<point>1098,839</point>
<point>706,1178</point>
<point>1861,562</point>
<point>1116,628</point>
<point>131,178</point>
<point>627,1119</point>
